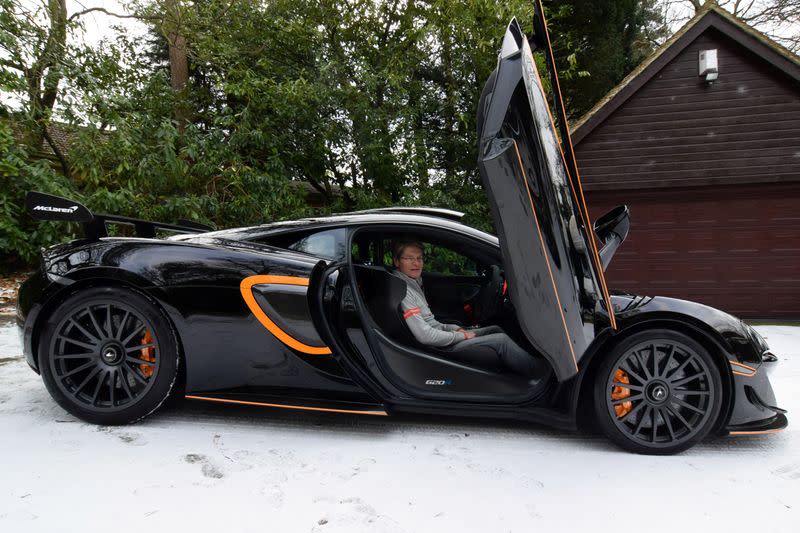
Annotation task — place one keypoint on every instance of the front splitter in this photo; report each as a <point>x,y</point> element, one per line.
<point>770,425</point>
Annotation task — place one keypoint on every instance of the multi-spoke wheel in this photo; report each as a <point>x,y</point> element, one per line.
<point>659,392</point>
<point>108,356</point>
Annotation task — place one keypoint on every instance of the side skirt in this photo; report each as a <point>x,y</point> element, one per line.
<point>297,403</point>
<point>537,415</point>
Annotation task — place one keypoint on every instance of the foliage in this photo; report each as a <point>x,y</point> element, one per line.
<point>603,40</point>
<point>370,103</point>
<point>443,260</point>
<point>20,237</point>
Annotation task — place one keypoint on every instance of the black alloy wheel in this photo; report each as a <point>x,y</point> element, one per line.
<point>658,393</point>
<point>108,356</point>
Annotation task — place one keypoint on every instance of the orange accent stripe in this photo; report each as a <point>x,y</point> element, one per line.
<point>584,211</point>
<point>246,288</point>
<point>751,371</point>
<point>546,256</point>
<point>299,407</point>
<point>411,312</point>
<point>761,432</point>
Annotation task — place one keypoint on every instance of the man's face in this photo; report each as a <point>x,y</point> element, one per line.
<point>410,262</point>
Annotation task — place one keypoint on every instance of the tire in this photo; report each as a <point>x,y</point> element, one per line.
<point>103,375</point>
<point>659,393</point>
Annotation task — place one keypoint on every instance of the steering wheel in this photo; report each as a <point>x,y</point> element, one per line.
<point>490,298</point>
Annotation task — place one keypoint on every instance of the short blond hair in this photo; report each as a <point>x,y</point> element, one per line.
<point>399,246</point>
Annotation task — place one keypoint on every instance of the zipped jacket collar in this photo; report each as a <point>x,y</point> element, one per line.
<point>413,284</point>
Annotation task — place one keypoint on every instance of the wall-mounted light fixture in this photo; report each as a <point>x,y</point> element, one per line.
<point>707,65</point>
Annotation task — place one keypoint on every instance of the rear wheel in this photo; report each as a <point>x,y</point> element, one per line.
<point>658,393</point>
<point>108,356</point>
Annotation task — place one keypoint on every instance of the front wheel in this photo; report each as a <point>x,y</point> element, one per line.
<point>659,392</point>
<point>108,355</point>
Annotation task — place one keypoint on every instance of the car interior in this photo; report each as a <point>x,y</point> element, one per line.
<point>464,285</point>
<point>461,289</point>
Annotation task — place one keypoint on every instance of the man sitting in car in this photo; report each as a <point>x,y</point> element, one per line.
<point>408,256</point>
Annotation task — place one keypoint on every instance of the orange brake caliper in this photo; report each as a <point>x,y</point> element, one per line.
<point>147,354</point>
<point>618,393</point>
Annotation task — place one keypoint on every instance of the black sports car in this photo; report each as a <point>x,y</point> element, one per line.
<point>306,314</point>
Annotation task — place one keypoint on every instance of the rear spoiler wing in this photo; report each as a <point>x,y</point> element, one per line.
<point>41,206</point>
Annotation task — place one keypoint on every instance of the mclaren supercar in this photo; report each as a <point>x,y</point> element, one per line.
<point>306,314</point>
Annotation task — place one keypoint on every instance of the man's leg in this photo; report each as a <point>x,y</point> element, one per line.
<point>486,330</point>
<point>509,352</point>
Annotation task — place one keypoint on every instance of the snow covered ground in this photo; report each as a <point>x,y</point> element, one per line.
<point>200,467</point>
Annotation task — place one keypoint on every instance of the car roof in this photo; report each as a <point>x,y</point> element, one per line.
<point>367,218</point>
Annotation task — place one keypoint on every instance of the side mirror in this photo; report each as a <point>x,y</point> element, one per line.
<point>611,229</point>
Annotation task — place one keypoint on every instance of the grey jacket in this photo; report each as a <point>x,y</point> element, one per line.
<point>420,320</point>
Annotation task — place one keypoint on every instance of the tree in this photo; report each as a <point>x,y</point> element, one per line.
<point>598,42</point>
<point>32,52</point>
<point>369,103</point>
<point>20,237</point>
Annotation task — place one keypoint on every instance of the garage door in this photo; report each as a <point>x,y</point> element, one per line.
<point>735,248</point>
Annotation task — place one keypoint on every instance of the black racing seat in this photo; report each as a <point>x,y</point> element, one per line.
<point>386,292</point>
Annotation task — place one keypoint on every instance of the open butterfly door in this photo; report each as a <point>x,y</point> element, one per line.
<point>553,269</point>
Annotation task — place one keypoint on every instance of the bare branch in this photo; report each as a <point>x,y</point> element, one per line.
<point>11,64</point>
<point>78,14</point>
<point>744,11</point>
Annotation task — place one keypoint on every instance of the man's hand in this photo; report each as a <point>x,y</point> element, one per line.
<point>467,334</point>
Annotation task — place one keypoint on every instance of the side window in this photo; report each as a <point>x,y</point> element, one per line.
<point>325,244</point>
<point>363,251</point>
<point>445,261</point>
<point>329,244</point>
<point>439,260</point>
